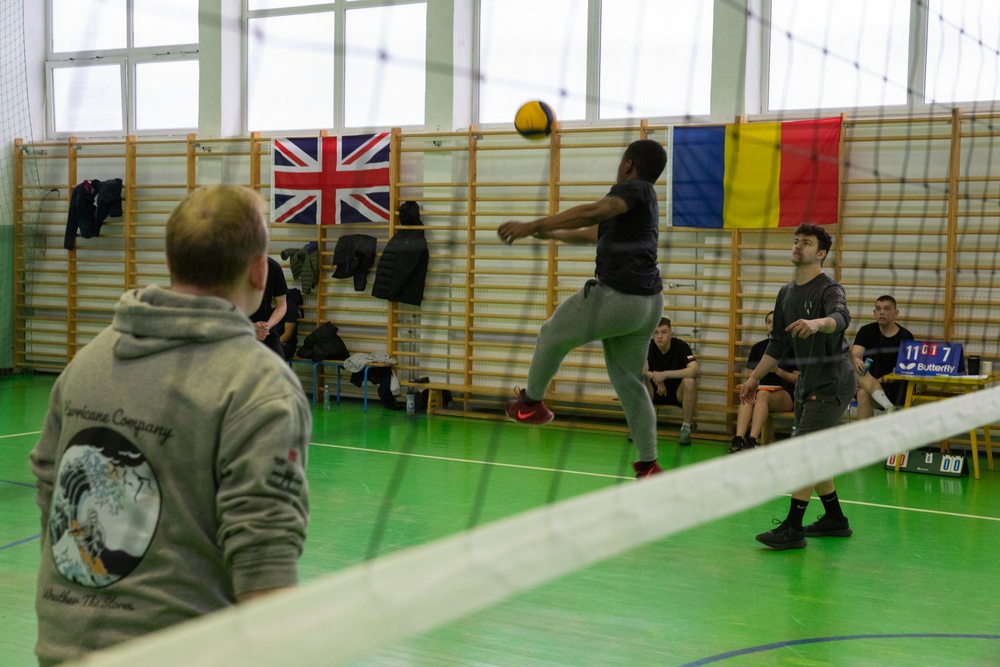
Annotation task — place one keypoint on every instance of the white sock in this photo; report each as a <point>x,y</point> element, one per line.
<point>685,425</point>
<point>882,399</point>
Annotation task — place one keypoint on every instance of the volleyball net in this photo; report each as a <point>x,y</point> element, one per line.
<point>15,122</point>
<point>352,614</point>
<point>916,186</point>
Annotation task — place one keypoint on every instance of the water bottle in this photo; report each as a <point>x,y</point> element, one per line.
<point>410,403</point>
<point>868,364</point>
<point>326,397</point>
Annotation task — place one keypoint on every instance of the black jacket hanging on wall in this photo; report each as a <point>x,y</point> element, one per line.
<point>354,255</point>
<point>92,202</point>
<point>402,269</point>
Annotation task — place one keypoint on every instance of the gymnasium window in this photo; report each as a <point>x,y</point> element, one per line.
<point>656,58</point>
<point>638,59</point>
<point>118,67</point>
<point>322,65</point>
<point>963,51</point>
<point>837,54</point>
<point>532,50</point>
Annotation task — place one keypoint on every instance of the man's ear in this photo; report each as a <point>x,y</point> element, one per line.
<point>258,272</point>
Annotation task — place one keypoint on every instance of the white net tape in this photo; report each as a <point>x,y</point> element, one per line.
<point>352,614</point>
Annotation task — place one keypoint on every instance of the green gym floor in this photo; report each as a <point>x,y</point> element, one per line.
<point>916,585</point>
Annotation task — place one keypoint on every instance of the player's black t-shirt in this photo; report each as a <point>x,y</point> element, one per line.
<point>276,286</point>
<point>786,363</point>
<point>882,350</point>
<point>626,243</point>
<point>824,367</point>
<point>677,356</point>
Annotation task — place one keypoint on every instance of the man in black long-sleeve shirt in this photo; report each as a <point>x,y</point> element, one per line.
<point>810,316</point>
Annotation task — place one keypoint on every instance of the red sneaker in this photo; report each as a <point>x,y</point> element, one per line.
<point>655,469</point>
<point>519,411</point>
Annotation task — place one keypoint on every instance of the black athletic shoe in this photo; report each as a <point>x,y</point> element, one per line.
<point>828,527</point>
<point>736,446</point>
<point>783,537</point>
<point>750,443</point>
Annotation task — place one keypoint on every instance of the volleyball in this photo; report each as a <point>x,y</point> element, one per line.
<point>534,120</point>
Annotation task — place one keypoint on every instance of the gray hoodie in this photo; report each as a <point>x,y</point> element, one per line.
<point>171,474</point>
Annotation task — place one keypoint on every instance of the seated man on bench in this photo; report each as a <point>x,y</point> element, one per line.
<point>773,395</point>
<point>672,374</point>
<point>879,341</point>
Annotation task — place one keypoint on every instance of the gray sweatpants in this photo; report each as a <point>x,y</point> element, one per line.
<point>624,323</point>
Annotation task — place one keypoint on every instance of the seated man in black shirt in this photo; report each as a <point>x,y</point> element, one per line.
<point>268,318</point>
<point>774,395</point>
<point>672,374</point>
<point>879,341</point>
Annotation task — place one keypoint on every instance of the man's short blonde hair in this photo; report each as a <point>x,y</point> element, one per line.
<point>214,235</point>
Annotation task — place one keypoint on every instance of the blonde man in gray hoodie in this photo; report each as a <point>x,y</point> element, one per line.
<point>171,464</point>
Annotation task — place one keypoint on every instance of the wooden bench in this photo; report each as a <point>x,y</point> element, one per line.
<point>767,433</point>
<point>339,365</point>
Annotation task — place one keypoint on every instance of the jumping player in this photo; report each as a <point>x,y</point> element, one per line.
<point>620,306</point>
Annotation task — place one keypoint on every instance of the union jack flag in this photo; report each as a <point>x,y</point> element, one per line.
<point>331,180</point>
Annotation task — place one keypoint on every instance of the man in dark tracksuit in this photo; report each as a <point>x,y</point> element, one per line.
<point>810,316</point>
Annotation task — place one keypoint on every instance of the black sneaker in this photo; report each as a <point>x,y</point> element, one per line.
<point>751,443</point>
<point>828,527</point>
<point>736,446</point>
<point>783,537</point>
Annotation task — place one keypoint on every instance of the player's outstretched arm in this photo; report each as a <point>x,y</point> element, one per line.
<point>806,328</point>
<point>584,215</point>
<point>584,236</point>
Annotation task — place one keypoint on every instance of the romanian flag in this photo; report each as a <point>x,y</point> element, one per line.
<point>756,175</point>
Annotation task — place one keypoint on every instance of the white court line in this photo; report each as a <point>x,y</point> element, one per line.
<point>455,460</point>
<point>595,474</point>
<point>591,474</point>
<point>18,435</point>
<point>922,511</point>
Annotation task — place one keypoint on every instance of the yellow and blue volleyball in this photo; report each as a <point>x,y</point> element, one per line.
<point>534,120</point>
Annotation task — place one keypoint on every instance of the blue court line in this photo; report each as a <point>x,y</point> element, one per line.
<point>822,640</point>
<point>14,544</point>
<point>7,481</point>
<point>27,539</point>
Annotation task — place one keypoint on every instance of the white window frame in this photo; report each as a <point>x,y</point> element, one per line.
<point>127,58</point>
<point>593,81</point>
<point>868,110</point>
<point>339,9</point>
<point>50,118</point>
<point>916,73</point>
<point>132,64</point>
